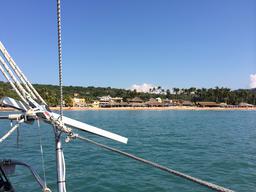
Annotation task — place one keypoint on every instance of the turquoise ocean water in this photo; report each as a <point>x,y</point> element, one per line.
<point>217,146</point>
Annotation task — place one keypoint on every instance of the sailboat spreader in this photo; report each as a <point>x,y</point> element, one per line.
<point>32,108</point>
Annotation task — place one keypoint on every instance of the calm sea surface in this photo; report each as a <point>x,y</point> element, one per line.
<point>217,146</point>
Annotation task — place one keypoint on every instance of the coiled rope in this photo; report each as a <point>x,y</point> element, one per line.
<point>158,166</point>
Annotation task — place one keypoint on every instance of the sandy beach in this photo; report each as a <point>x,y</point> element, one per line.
<point>154,108</point>
<point>193,108</point>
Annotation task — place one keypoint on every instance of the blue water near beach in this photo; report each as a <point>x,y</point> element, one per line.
<point>217,146</point>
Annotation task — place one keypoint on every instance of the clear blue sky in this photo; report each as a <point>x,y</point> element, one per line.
<point>117,43</point>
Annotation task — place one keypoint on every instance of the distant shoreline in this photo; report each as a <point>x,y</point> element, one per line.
<point>193,108</point>
<point>174,108</point>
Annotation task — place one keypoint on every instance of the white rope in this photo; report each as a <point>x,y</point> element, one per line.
<point>42,152</point>
<point>9,71</point>
<point>11,82</point>
<point>15,69</point>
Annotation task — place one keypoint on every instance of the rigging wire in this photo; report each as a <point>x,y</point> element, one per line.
<point>60,57</point>
<point>158,166</point>
<point>60,156</point>
<point>13,84</point>
<point>16,69</point>
<point>42,152</point>
<point>11,130</point>
<point>20,75</point>
<point>18,137</point>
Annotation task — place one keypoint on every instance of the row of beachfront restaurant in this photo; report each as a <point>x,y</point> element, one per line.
<point>108,102</point>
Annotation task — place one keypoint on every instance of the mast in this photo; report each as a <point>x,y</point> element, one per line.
<point>60,161</point>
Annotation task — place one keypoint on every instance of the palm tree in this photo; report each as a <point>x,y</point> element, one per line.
<point>176,91</point>
<point>192,89</point>
<point>168,93</point>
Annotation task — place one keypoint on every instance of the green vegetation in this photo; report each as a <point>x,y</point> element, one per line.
<point>51,94</point>
<point>217,94</point>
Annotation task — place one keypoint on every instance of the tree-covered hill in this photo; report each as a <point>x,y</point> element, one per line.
<point>51,94</point>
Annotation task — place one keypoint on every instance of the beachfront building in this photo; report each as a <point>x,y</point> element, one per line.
<point>159,100</point>
<point>104,101</point>
<point>208,104</point>
<point>116,100</point>
<point>224,105</point>
<point>105,98</point>
<point>119,104</point>
<point>95,104</point>
<point>177,102</point>
<point>167,102</point>
<point>78,102</point>
<point>136,102</point>
<point>108,101</point>
<point>154,103</point>
<point>245,105</point>
<point>187,103</point>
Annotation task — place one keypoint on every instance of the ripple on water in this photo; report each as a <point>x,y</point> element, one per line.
<point>218,146</point>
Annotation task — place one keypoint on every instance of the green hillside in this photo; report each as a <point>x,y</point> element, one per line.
<point>51,94</point>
